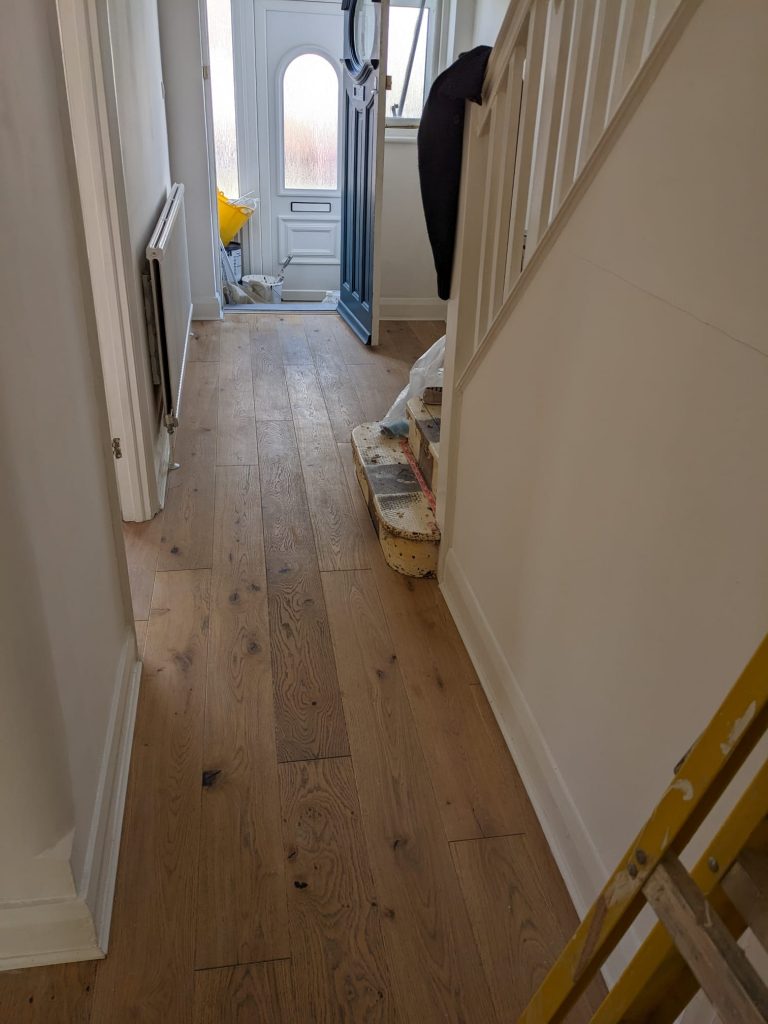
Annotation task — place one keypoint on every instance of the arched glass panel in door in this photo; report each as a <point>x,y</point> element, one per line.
<point>310,124</point>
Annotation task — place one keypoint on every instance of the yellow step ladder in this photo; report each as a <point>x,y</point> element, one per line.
<point>702,913</point>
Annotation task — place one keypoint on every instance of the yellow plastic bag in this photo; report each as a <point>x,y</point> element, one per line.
<point>232,216</point>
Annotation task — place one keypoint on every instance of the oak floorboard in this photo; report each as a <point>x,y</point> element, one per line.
<point>435,965</point>
<point>48,995</point>
<point>241,905</point>
<point>427,331</point>
<point>199,399</point>
<point>204,342</point>
<point>270,392</point>
<point>337,531</point>
<point>148,973</point>
<point>350,346</point>
<point>415,745</point>
<point>477,786</point>
<point>376,388</point>
<point>186,528</point>
<point>340,966</point>
<point>341,401</point>
<point>309,718</point>
<point>522,917</point>
<point>293,340</point>
<point>235,342</point>
<point>259,993</point>
<point>322,340</point>
<point>236,434</point>
<point>141,551</point>
<point>398,336</point>
<point>344,409</point>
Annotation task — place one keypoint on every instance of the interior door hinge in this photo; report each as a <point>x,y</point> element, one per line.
<point>117,451</point>
<point>388,83</point>
<point>206,71</point>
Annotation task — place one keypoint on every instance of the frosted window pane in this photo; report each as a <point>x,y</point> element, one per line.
<point>402,25</point>
<point>223,96</point>
<point>310,123</point>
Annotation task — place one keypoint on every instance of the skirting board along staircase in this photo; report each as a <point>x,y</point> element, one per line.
<point>397,476</point>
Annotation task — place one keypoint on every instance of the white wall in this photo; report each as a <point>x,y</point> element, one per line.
<point>408,280</point>
<point>489,15</point>
<point>180,36</point>
<point>608,539</point>
<point>67,649</point>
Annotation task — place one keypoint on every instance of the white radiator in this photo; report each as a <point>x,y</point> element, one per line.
<point>171,299</point>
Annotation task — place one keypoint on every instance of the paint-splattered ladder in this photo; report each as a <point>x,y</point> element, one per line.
<point>702,913</point>
<point>398,478</point>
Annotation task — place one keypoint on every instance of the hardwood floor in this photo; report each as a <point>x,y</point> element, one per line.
<point>323,823</point>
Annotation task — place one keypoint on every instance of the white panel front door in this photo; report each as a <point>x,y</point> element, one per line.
<point>298,87</point>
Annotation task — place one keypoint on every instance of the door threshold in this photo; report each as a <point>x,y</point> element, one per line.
<point>280,307</point>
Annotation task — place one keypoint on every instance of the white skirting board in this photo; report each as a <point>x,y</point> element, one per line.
<point>206,308</point>
<point>98,887</point>
<point>76,927</point>
<point>53,932</point>
<point>569,839</point>
<point>412,309</point>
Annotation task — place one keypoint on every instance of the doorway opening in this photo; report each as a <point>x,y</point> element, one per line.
<point>289,81</point>
<point>276,88</point>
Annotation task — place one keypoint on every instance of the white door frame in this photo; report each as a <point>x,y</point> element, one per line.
<point>101,199</point>
<point>202,14</point>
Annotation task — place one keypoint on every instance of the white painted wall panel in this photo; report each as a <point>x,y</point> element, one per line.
<point>610,540</point>
<point>408,270</point>
<point>65,614</point>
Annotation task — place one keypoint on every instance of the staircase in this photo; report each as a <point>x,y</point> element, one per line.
<point>398,478</point>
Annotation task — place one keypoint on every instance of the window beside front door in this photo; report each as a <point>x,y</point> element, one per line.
<point>414,37</point>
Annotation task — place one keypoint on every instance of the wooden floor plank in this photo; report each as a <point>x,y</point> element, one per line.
<point>241,906</point>
<point>477,786</point>
<point>427,756</point>
<point>142,548</point>
<point>269,388</point>
<point>236,434</point>
<point>308,711</point>
<point>260,993</point>
<point>339,392</point>
<point>187,519</point>
<point>186,522</point>
<point>374,389</point>
<point>522,917</point>
<point>293,340</point>
<point>48,995</point>
<point>199,399</point>
<point>148,973</point>
<point>341,401</point>
<point>344,408</point>
<point>350,346</point>
<point>235,342</point>
<point>204,341</point>
<point>427,331</point>
<point>398,336</point>
<point>337,531</point>
<point>436,970</point>
<point>340,967</point>
<point>322,340</point>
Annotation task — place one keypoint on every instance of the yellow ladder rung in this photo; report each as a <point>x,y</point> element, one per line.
<point>705,772</point>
